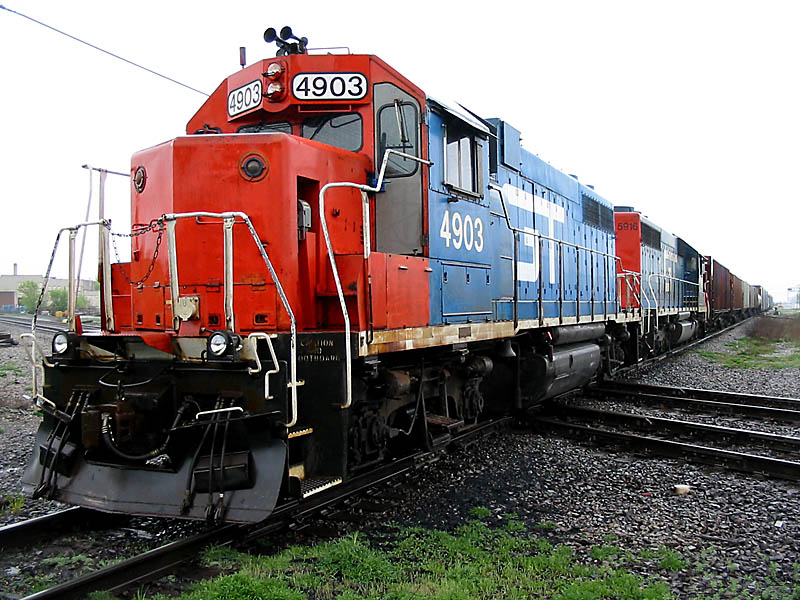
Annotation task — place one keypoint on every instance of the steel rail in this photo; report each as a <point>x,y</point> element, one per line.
<point>651,423</point>
<point>50,327</point>
<point>699,394</point>
<point>34,530</point>
<point>790,415</point>
<point>159,561</point>
<point>739,461</point>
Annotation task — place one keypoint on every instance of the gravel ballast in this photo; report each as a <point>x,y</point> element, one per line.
<point>737,534</point>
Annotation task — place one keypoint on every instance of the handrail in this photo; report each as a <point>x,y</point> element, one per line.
<point>72,287</point>
<point>669,278</point>
<point>228,220</point>
<point>627,276</point>
<point>253,339</point>
<point>655,297</point>
<point>31,351</point>
<point>71,302</point>
<point>561,244</point>
<point>217,411</point>
<point>365,211</point>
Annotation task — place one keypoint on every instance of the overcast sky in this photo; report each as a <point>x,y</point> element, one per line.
<point>688,111</point>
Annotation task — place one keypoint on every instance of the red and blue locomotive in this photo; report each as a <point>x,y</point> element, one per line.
<point>330,269</point>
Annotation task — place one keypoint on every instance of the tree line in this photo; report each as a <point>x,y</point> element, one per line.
<point>29,292</point>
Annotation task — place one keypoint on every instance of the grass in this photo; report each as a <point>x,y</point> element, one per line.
<point>770,344</point>
<point>474,561</point>
<point>12,369</point>
<point>757,353</point>
<point>13,504</point>
<point>72,561</point>
<point>668,559</point>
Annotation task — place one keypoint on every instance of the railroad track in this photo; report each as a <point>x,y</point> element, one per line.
<point>676,351</point>
<point>739,449</point>
<point>38,529</point>
<point>160,561</point>
<point>42,324</point>
<point>707,401</point>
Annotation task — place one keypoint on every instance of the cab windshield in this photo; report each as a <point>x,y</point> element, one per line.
<point>345,131</point>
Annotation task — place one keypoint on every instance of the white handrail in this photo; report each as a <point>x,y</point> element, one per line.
<point>561,243</point>
<point>655,298</point>
<point>294,383</point>
<point>72,300</point>
<point>332,259</point>
<point>31,350</point>
<point>253,339</point>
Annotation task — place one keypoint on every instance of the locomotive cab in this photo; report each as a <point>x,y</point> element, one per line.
<point>220,370</point>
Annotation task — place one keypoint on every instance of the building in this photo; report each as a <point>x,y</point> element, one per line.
<point>9,286</point>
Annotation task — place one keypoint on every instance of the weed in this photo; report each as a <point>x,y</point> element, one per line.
<point>242,585</point>
<point>223,557</point>
<point>8,368</point>
<point>546,525</point>
<point>13,504</point>
<point>474,561</point>
<point>40,583</point>
<point>514,525</point>
<point>107,562</point>
<point>605,552</point>
<point>757,353</point>
<point>479,512</point>
<point>352,558</point>
<point>671,560</point>
<point>101,595</point>
<point>77,560</point>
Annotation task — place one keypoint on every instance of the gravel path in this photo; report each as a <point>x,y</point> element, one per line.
<point>737,534</point>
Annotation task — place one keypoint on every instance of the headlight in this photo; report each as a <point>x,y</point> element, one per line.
<point>218,343</point>
<point>60,343</point>
<point>223,345</point>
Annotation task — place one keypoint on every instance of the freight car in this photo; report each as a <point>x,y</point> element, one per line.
<point>330,269</point>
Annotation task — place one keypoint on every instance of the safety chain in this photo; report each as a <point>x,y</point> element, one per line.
<point>135,233</point>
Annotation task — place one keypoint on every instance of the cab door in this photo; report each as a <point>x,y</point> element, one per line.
<point>399,211</point>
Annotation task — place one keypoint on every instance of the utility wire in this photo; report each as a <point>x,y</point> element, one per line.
<point>130,62</point>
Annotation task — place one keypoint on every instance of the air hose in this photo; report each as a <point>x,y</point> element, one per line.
<point>108,438</point>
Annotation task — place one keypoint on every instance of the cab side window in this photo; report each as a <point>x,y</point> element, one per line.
<point>397,130</point>
<point>463,157</point>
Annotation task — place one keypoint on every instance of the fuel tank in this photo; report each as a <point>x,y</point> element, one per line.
<point>570,367</point>
<point>681,331</point>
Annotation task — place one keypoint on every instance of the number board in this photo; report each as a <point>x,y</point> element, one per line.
<point>329,86</point>
<point>244,98</point>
